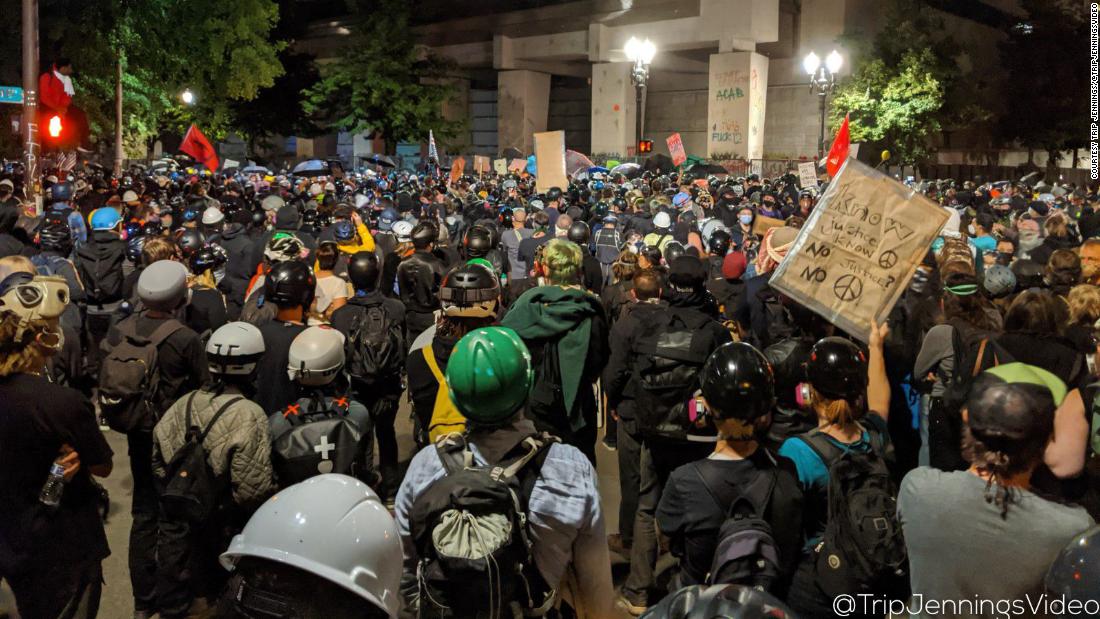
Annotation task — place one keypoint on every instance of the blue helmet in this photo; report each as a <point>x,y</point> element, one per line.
<point>60,192</point>
<point>344,231</point>
<point>387,217</point>
<point>105,218</point>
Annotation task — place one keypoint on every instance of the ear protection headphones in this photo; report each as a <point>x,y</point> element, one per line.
<point>803,395</point>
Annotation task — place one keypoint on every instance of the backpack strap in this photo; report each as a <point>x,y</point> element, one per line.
<point>164,331</point>
<point>217,415</point>
<point>980,357</point>
<point>187,412</point>
<point>763,485</point>
<point>454,452</point>
<point>819,443</point>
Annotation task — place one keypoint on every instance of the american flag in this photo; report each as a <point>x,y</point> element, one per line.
<point>433,154</point>
<point>67,161</point>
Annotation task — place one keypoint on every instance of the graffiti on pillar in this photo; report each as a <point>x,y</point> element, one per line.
<point>757,97</point>
<point>728,106</point>
<point>727,131</point>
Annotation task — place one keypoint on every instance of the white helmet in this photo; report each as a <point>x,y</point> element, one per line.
<point>212,216</point>
<point>402,230</point>
<point>316,356</point>
<point>234,349</point>
<point>333,526</point>
<point>662,221</point>
<point>130,196</point>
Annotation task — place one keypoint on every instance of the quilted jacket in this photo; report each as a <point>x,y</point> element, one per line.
<point>238,443</point>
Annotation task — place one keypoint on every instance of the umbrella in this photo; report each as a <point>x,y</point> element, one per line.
<point>512,153</point>
<point>707,168</point>
<point>596,168</point>
<point>381,160</point>
<point>659,163</point>
<point>628,169</point>
<point>575,162</point>
<point>1032,178</point>
<point>256,169</point>
<point>311,167</point>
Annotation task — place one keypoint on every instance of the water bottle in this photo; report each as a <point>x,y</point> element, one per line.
<point>55,485</point>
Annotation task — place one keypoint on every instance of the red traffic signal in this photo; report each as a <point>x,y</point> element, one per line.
<point>54,126</point>
<point>645,146</point>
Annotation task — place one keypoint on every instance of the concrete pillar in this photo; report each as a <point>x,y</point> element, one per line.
<point>614,109</point>
<point>523,103</point>
<point>737,96</point>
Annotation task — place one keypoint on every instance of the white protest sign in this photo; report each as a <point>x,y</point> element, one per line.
<point>807,175</point>
<point>855,254</point>
<point>500,166</point>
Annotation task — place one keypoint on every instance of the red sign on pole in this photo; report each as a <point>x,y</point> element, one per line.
<point>676,149</point>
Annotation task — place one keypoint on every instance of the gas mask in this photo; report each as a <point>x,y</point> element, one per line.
<point>34,299</point>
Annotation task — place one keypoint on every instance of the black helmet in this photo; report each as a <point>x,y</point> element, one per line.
<point>363,270</point>
<point>289,284</point>
<point>552,194</point>
<point>189,241</point>
<point>672,251</point>
<point>719,242</point>
<point>788,360</point>
<point>470,291</point>
<point>134,248</point>
<point>719,602</point>
<point>738,383</point>
<point>309,219</point>
<point>258,218</point>
<point>61,192</point>
<point>205,258</point>
<point>152,228</point>
<point>477,242</point>
<point>579,233</point>
<point>1029,274</point>
<point>132,229</point>
<point>424,234</point>
<point>838,369</point>
<point>56,237</point>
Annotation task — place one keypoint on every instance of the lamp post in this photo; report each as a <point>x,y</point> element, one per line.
<point>822,81</point>
<point>641,54</point>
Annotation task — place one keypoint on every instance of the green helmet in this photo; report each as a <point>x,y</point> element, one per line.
<point>489,374</point>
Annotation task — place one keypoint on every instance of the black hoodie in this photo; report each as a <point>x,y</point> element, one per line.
<point>99,264</point>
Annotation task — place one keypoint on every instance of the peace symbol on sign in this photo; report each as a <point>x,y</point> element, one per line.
<point>888,259</point>
<point>848,287</point>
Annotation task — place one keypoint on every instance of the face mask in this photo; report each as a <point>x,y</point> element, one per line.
<point>970,230</point>
<point>745,219</point>
<point>1004,258</point>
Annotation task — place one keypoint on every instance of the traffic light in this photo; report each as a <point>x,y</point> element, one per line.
<point>54,127</point>
<point>645,146</point>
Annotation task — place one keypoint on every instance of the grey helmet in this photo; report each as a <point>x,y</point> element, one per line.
<point>316,356</point>
<point>272,203</point>
<point>162,286</point>
<point>348,537</point>
<point>234,349</point>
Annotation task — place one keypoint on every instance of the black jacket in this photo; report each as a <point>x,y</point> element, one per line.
<point>239,269</point>
<point>418,279</point>
<point>99,265</point>
<point>344,318</point>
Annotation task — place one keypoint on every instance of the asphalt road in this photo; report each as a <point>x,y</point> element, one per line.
<point>117,602</point>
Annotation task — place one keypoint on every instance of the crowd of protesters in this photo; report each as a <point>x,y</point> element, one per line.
<point>254,335</point>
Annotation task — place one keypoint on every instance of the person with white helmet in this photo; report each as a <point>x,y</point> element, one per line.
<point>180,368</point>
<point>342,562</point>
<point>316,365</point>
<point>234,435</point>
<point>662,235</point>
<point>212,220</point>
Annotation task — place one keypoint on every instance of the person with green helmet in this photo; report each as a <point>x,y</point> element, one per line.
<point>489,375</point>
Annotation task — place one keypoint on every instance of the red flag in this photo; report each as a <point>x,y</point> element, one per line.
<point>838,154</point>
<point>196,145</point>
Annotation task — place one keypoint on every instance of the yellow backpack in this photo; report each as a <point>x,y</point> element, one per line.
<point>445,417</point>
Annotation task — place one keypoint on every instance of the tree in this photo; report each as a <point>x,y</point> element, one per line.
<point>897,107</point>
<point>1046,64</point>
<point>383,83</point>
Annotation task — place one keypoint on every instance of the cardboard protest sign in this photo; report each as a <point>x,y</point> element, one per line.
<point>500,166</point>
<point>550,159</point>
<point>855,254</point>
<point>517,165</point>
<point>762,224</point>
<point>676,149</point>
<point>457,167</point>
<point>481,164</point>
<point>807,175</point>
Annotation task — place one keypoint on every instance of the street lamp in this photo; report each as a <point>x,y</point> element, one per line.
<point>187,97</point>
<point>641,53</point>
<point>822,81</point>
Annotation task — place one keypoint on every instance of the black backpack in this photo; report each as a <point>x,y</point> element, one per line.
<point>863,550</point>
<point>471,537</point>
<point>669,357</point>
<point>376,347</point>
<point>102,275</point>
<point>746,552</point>
<point>129,379</point>
<point>321,439</point>
<point>255,311</point>
<point>193,491</point>
<point>608,242</point>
